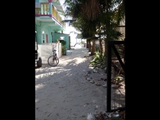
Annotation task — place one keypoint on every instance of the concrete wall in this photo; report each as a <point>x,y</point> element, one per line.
<point>45,51</point>
<point>59,49</point>
<point>122,29</point>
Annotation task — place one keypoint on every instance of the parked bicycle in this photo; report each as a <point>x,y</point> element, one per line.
<point>53,60</point>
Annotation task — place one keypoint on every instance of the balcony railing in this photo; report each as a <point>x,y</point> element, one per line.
<point>45,10</point>
<point>56,16</point>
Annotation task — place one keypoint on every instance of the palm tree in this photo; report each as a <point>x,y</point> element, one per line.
<point>87,26</point>
<point>100,11</point>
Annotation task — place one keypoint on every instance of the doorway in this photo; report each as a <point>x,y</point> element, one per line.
<point>46,38</point>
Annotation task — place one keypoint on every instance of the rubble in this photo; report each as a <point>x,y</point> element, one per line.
<point>116,115</point>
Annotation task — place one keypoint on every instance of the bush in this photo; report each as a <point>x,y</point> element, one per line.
<point>98,59</point>
<point>63,42</point>
<point>63,49</point>
<point>82,42</point>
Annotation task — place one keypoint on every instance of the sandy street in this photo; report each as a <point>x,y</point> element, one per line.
<point>63,93</point>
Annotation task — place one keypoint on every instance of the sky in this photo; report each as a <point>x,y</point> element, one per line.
<point>61,2</point>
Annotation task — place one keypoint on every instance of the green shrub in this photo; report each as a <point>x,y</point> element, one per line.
<point>98,59</point>
<point>82,42</point>
<point>63,42</point>
<point>63,49</point>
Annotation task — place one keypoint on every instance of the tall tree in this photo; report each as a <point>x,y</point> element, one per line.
<point>106,12</point>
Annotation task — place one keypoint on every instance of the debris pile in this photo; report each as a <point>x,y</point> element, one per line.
<point>116,115</point>
<point>99,78</point>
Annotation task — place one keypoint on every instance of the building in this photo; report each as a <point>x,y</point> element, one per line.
<point>48,25</point>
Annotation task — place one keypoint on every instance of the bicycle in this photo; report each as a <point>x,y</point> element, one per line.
<point>53,60</point>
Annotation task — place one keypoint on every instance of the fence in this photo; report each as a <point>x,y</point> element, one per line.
<point>111,46</point>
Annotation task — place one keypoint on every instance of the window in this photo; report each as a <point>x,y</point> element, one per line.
<point>43,38</point>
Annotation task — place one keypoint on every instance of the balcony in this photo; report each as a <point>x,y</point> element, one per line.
<point>45,9</point>
<point>42,10</point>
<point>56,16</point>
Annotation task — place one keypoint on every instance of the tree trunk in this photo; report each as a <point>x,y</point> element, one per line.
<point>93,50</point>
<point>89,45</point>
<point>108,29</point>
<point>105,51</point>
<point>100,45</point>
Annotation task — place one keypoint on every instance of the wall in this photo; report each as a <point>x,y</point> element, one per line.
<point>44,26</point>
<point>46,50</point>
<point>73,39</point>
<point>58,47</point>
<point>43,0</point>
<point>122,29</point>
<point>47,30</point>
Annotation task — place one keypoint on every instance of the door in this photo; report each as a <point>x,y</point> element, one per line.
<point>46,38</point>
<point>52,34</point>
<point>69,43</point>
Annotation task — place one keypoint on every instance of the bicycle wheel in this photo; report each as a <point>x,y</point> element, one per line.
<point>53,61</point>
